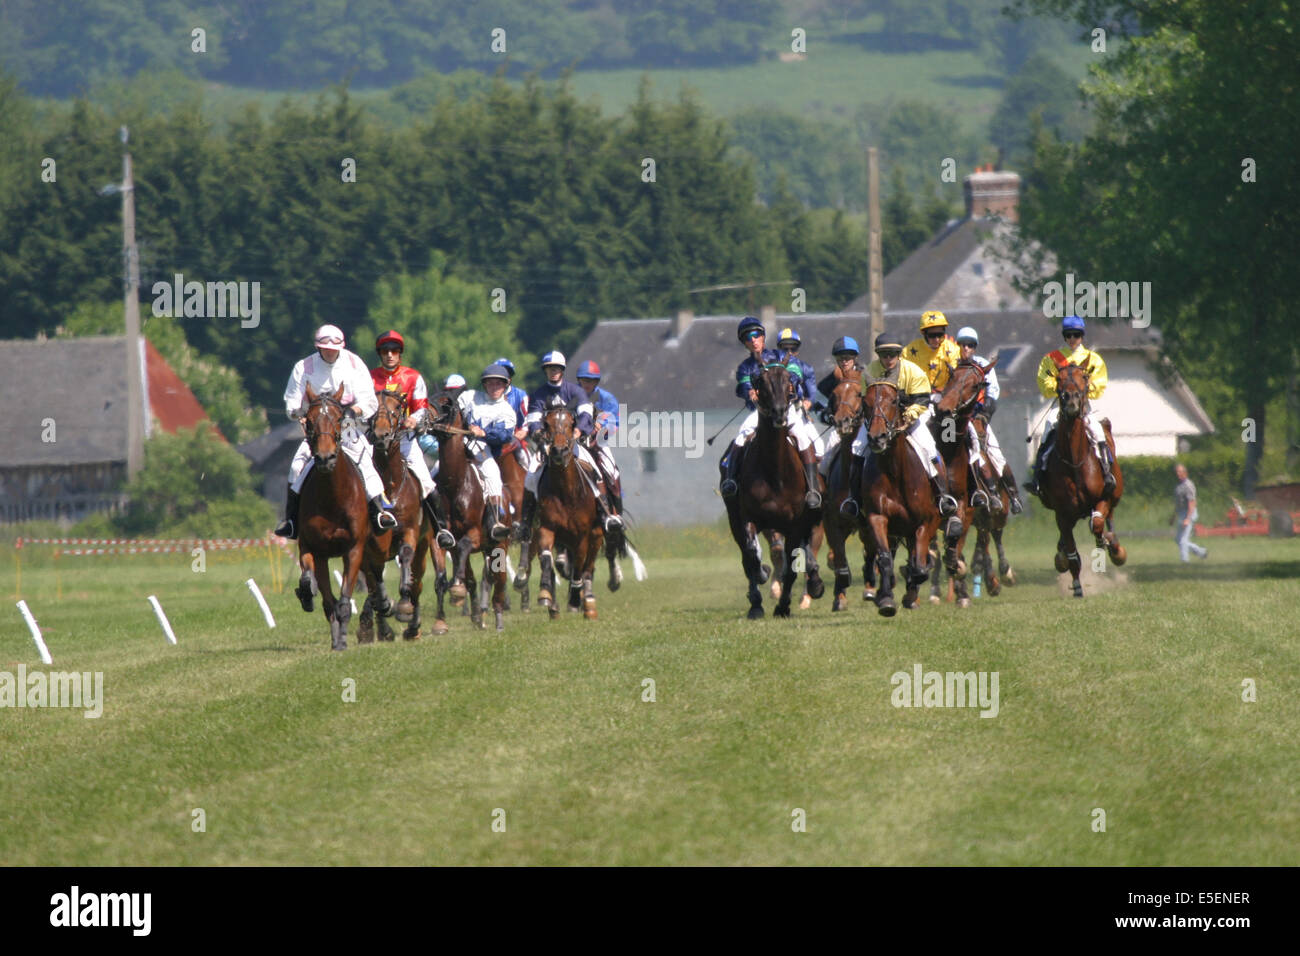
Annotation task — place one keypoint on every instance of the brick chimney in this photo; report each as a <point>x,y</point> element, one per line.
<point>990,193</point>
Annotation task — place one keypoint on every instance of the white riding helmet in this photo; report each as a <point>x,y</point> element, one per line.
<point>554,358</point>
<point>454,381</point>
<point>967,334</point>
<point>329,337</point>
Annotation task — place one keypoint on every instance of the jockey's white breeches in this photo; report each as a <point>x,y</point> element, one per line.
<point>481,457</point>
<point>828,452</point>
<point>419,467</point>
<point>918,436</point>
<point>536,460</point>
<point>1095,433</point>
<point>801,428</point>
<point>355,447</point>
<point>607,460</point>
<point>997,461</point>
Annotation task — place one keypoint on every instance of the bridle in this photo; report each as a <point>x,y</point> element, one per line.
<point>393,417</point>
<point>769,411</point>
<point>891,429</point>
<point>961,408</point>
<point>557,454</point>
<point>328,405</point>
<point>847,426</point>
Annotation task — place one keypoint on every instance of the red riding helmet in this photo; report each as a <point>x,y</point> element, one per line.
<point>392,336</point>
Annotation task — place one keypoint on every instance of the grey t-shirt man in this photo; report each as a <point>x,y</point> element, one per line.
<point>1185,499</point>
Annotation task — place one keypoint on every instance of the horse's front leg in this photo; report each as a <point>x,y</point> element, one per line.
<point>878,526</point>
<point>1067,555</point>
<point>546,561</point>
<point>405,559</point>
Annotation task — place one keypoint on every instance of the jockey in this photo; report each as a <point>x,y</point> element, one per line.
<point>557,390</point>
<point>753,336</point>
<point>490,418</point>
<point>393,376</point>
<point>789,341</point>
<point>845,352</point>
<point>330,367</point>
<point>518,400</point>
<point>1072,329</point>
<point>914,394</point>
<point>934,350</point>
<point>605,405</point>
<point>968,340</point>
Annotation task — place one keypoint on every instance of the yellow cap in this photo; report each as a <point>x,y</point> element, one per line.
<point>933,320</point>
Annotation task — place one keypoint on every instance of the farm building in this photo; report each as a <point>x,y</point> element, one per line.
<point>65,437</point>
<point>684,366</point>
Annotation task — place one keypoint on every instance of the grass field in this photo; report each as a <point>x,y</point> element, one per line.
<point>1129,701</point>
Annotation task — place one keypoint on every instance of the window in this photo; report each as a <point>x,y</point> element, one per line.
<point>648,462</point>
<point>1010,356</point>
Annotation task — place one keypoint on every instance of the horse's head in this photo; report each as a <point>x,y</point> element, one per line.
<point>880,401</point>
<point>442,409</point>
<point>962,390</point>
<point>846,406</point>
<point>388,420</point>
<point>775,390</point>
<point>561,435</point>
<point>324,427</point>
<point>1072,389</point>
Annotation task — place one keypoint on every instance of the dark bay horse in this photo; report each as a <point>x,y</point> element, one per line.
<point>896,499</point>
<point>410,542</point>
<point>465,496</point>
<point>334,520</point>
<point>1073,485</point>
<point>568,519</point>
<point>989,525</point>
<point>951,421</point>
<point>771,495</point>
<point>845,407</point>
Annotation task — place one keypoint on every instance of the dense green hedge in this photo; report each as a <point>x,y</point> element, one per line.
<point>1149,480</point>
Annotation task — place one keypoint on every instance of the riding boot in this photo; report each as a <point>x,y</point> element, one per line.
<point>813,497</point>
<point>433,504</point>
<point>943,494</point>
<point>1107,475</point>
<point>989,484</point>
<point>729,486</point>
<point>289,526</point>
<point>492,518</point>
<point>381,513</point>
<point>522,529</point>
<point>1036,473</point>
<point>1009,483</point>
<point>850,505</point>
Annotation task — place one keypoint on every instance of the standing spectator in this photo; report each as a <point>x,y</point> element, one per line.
<point>1185,515</point>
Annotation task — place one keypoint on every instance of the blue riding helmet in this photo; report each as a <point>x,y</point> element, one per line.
<point>748,324</point>
<point>507,364</point>
<point>789,335</point>
<point>1072,322</point>
<point>845,343</point>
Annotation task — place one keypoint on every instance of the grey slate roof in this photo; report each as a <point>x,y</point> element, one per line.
<point>259,449</point>
<point>648,370</point>
<point>77,382</point>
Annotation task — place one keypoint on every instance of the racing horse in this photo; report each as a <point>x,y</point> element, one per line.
<point>410,542</point>
<point>896,499</point>
<point>334,518</point>
<point>845,412</point>
<point>989,525</point>
<point>771,495</point>
<point>952,417</point>
<point>463,489</point>
<point>1073,485</point>
<point>568,519</point>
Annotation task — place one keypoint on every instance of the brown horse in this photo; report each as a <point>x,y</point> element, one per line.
<point>410,542</point>
<point>334,520</point>
<point>896,498</point>
<point>771,494</point>
<point>1073,485</point>
<point>989,524</point>
<point>845,407</point>
<point>568,518</point>
<point>464,491</point>
<point>950,429</point>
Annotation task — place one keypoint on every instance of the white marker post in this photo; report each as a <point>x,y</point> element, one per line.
<point>338,577</point>
<point>162,619</point>
<point>261,601</point>
<point>36,633</point>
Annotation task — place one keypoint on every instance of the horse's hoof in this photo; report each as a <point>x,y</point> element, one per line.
<point>440,627</point>
<point>305,598</point>
<point>521,581</point>
<point>614,583</point>
<point>457,590</point>
<point>963,602</point>
<point>868,594</point>
<point>1009,576</point>
<point>935,599</point>
<point>553,611</point>
<point>408,636</point>
<point>961,568</point>
<point>995,588</point>
<point>886,607</point>
<point>545,598</point>
<point>776,590</point>
<point>911,605</point>
<point>815,588</point>
<point>1119,555</point>
<point>805,603</point>
<point>1078,592</point>
<point>841,603</point>
<point>404,611</point>
<point>781,610</point>
<point>589,610</point>
<point>1062,563</point>
<point>755,612</point>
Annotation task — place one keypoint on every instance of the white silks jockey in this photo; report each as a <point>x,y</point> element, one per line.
<point>488,414</point>
<point>968,341</point>
<point>556,389</point>
<point>325,371</point>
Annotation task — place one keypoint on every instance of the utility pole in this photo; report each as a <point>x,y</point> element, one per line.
<point>134,372</point>
<point>876,282</point>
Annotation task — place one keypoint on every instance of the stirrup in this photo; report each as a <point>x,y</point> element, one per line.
<point>947,505</point>
<point>979,499</point>
<point>499,532</point>
<point>287,529</point>
<point>849,508</point>
<point>728,487</point>
<point>812,498</point>
<point>613,521</point>
<point>445,539</point>
<point>384,520</point>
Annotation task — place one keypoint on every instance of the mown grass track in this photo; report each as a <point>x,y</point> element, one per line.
<point>1129,700</point>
